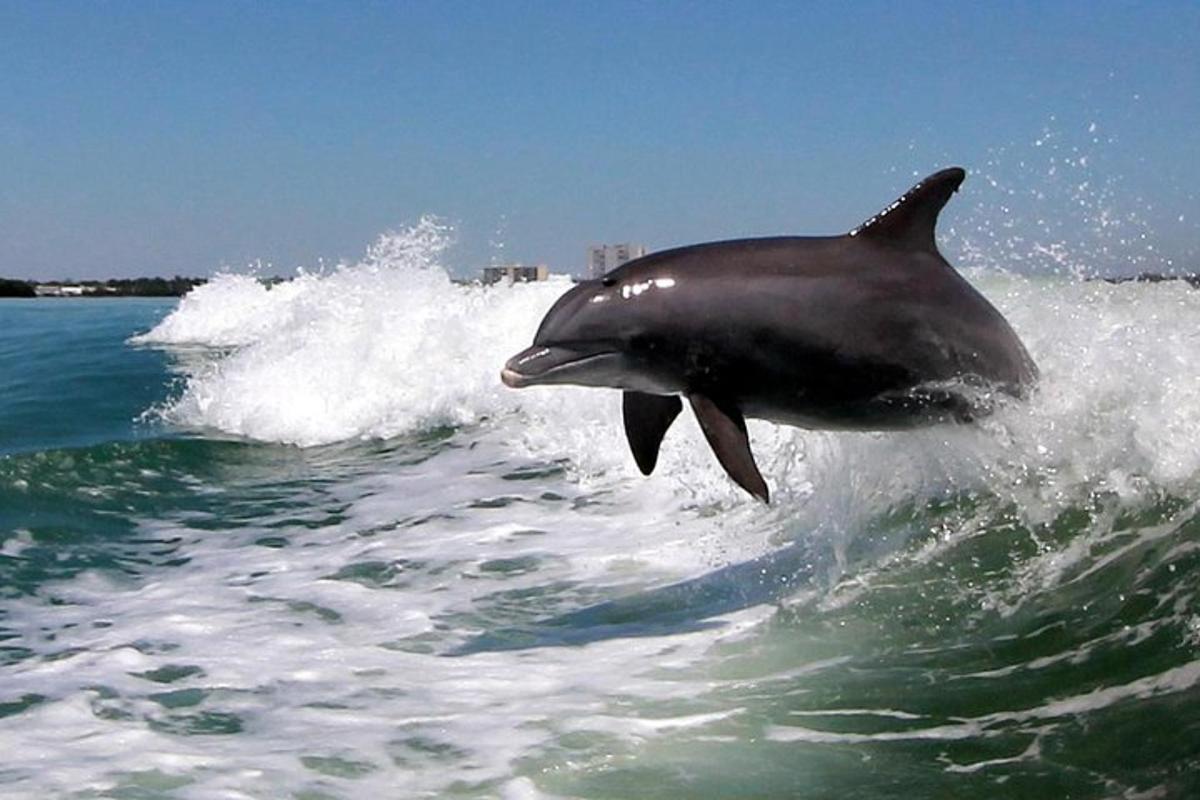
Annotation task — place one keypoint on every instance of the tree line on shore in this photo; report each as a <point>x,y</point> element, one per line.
<point>120,287</point>
<point>1154,277</point>
<point>10,288</point>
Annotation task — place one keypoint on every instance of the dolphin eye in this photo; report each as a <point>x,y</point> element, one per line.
<point>608,281</point>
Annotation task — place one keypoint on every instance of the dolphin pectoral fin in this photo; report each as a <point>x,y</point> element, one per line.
<point>725,428</point>
<point>647,418</point>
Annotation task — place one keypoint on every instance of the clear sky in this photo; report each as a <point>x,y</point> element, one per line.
<point>177,137</point>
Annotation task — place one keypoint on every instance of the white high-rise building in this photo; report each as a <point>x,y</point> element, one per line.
<point>602,258</point>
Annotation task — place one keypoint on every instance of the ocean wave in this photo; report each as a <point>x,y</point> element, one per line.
<point>366,350</point>
<point>390,345</point>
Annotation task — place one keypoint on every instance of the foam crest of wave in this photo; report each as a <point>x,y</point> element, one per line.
<point>374,349</point>
<point>1118,400</point>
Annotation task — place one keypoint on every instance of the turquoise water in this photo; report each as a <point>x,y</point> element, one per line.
<point>66,378</point>
<point>299,542</point>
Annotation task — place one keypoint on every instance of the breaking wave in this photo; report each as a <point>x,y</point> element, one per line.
<point>390,345</point>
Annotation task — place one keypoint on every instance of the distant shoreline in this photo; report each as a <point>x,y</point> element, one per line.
<point>124,287</point>
<point>178,286</point>
<point>1154,277</point>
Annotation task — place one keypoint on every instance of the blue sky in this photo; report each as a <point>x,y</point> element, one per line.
<point>156,138</point>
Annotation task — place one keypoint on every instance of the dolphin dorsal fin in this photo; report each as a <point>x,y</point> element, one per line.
<point>909,222</point>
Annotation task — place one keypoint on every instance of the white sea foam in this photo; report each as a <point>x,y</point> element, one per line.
<point>324,674</point>
<point>369,350</point>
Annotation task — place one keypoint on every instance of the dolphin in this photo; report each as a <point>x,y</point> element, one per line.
<point>870,330</point>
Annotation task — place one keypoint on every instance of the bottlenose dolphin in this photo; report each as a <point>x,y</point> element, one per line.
<point>870,330</point>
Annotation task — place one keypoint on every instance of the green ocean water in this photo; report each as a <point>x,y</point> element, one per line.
<point>265,552</point>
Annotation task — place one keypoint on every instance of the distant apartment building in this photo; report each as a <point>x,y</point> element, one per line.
<point>516,273</point>
<point>602,258</point>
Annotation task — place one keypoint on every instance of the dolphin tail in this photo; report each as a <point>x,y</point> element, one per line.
<point>908,223</point>
<point>647,418</point>
<point>725,428</point>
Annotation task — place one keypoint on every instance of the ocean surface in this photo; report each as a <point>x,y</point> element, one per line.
<point>300,542</point>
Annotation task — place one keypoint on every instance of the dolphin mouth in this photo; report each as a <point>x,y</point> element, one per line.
<point>541,364</point>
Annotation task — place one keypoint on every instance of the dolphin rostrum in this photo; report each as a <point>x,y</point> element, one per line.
<point>870,330</point>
